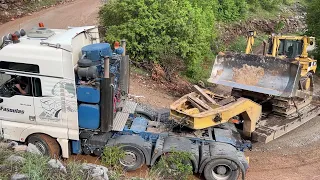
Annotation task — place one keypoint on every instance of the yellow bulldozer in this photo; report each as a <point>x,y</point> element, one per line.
<point>271,92</point>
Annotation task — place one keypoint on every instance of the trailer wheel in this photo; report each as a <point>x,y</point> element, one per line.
<point>133,158</point>
<point>221,169</point>
<point>46,145</point>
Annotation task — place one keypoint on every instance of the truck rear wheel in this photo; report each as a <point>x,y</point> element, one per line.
<point>133,158</point>
<point>221,169</point>
<point>46,145</point>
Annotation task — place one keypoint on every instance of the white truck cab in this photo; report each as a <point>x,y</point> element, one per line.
<point>42,63</point>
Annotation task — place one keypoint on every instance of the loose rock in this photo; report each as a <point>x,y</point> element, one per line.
<point>33,149</point>
<point>4,6</point>
<point>54,163</point>
<point>98,172</point>
<point>20,148</point>
<point>15,159</point>
<point>19,177</point>
<point>12,144</point>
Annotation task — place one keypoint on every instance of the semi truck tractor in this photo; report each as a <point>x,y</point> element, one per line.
<point>67,93</point>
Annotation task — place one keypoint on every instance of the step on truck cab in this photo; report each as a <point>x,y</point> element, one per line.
<point>65,92</point>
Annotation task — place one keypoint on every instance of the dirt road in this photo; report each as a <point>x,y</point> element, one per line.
<point>293,156</point>
<point>77,13</point>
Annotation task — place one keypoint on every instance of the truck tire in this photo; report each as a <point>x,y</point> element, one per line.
<point>221,169</point>
<point>133,158</point>
<point>46,145</point>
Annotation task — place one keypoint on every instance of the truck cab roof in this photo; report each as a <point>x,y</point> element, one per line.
<point>52,53</point>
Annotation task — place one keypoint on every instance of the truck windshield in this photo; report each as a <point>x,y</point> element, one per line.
<point>290,48</point>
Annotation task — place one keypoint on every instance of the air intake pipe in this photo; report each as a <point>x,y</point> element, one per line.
<point>124,71</point>
<point>107,98</point>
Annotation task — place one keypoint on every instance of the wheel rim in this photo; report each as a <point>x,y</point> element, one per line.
<point>129,159</point>
<point>221,172</point>
<point>40,147</point>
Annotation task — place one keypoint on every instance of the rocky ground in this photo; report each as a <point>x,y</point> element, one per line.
<point>21,162</point>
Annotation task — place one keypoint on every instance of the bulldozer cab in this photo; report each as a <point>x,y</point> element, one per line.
<point>290,46</point>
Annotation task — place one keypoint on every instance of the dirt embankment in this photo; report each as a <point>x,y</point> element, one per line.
<point>11,9</point>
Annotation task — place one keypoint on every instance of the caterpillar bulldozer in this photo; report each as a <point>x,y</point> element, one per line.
<point>271,92</point>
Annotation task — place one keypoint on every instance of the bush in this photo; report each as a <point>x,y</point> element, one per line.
<point>173,166</point>
<point>268,5</point>
<point>239,45</point>
<point>111,159</point>
<point>313,23</point>
<point>154,28</point>
<point>232,10</point>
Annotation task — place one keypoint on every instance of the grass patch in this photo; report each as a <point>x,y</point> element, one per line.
<point>110,159</point>
<point>36,168</point>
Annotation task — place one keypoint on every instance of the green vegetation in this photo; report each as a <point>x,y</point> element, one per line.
<point>174,165</point>
<point>45,3</point>
<point>240,44</point>
<point>36,167</point>
<point>231,10</point>
<point>314,23</point>
<point>110,158</point>
<point>154,28</point>
<point>163,31</point>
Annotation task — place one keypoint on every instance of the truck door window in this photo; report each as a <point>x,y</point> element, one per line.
<point>14,85</point>
<point>36,87</point>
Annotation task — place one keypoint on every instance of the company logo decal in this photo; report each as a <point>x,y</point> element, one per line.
<point>18,111</point>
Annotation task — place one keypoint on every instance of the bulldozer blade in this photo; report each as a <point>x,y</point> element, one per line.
<point>257,73</point>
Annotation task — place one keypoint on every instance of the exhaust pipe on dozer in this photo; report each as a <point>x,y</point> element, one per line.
<point>107,98</point>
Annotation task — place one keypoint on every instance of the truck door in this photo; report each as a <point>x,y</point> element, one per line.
<point>16,108</point>
<point>49,102</point>
<point>14,105</point>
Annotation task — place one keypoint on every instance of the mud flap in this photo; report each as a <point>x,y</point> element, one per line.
<point>257,73</point>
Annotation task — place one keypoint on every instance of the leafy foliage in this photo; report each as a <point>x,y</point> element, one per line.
<point>154,28</point>
<point>173,166</point>
<point>314,23</point>
<point>239,45</point>
<point>174,29</point>
<point>110,158</point>
<point>232,10</point>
